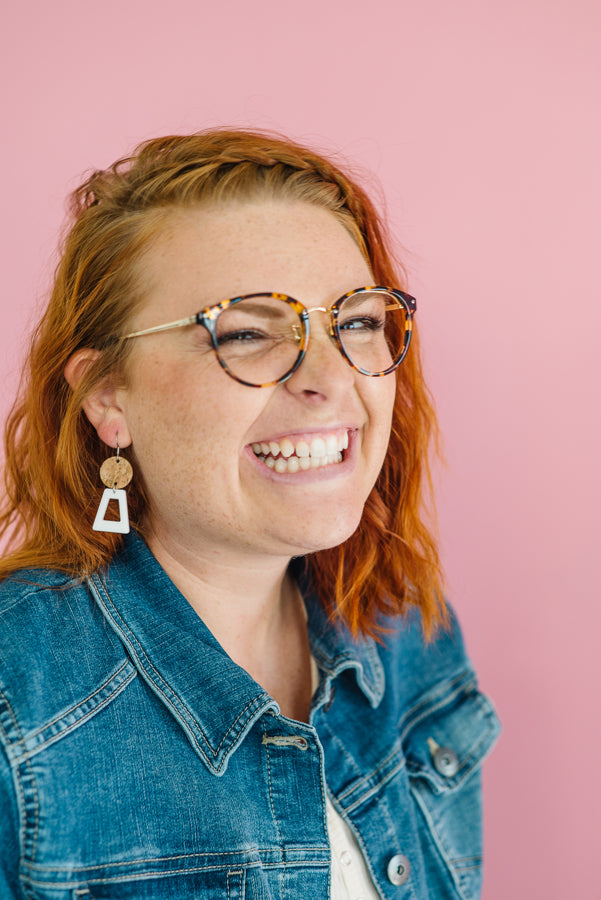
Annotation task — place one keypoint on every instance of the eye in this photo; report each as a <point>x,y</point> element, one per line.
<point>367,323</point>
<point>243,335</point>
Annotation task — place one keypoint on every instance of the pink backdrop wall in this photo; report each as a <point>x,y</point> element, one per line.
<point>481,121</point>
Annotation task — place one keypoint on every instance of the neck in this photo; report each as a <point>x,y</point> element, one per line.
<point>255,611</point>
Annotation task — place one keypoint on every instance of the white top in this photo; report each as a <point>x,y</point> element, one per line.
<point>349,874</point>
<point>350,877</point>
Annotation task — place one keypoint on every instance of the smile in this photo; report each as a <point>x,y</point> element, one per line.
<point>298,453</point>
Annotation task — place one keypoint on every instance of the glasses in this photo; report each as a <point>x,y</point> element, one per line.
<point>261,339</point>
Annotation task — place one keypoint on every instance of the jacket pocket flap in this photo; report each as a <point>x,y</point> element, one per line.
<point>449,739</point>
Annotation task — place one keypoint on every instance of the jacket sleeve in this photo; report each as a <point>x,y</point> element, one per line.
<point>10,887</point>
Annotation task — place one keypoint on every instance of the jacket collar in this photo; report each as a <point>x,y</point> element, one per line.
<point>187,668</point>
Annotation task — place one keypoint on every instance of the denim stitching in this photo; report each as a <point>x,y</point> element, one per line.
<point>360,841</point>
<point>76,706</point>
<point>53,738</point>
<point>275,818</point>
<point>238,873</point>
<point>468,762</point>
<point>184,713</point>
<point>437,838</point>
<point>146,876</point>
<point>302,848</point>
<point>27,763</point>
<point>436,699</point>
<point>365,778</point>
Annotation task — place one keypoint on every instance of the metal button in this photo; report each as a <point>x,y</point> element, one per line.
<point>399,869</point>
<point>446,762</point>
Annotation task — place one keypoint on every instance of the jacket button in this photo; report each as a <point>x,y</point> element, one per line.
<point>446,762</point>
<point>398,869</point>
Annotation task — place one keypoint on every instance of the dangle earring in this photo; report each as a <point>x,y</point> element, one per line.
<point>115,473</point>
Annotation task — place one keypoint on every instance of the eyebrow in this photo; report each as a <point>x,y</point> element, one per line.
<point>268,311</point>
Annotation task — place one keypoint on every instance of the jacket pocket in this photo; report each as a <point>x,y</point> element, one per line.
<point>445,743</point>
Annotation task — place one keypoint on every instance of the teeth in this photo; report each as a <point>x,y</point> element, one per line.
<point>295,463</point>
<point>318,447</point>
<point>284,456</point>
<point>286,447</point>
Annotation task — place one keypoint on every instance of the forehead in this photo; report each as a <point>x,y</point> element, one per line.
<point>209,254</point>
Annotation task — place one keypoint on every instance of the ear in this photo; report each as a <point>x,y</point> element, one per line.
<point>100,405</point>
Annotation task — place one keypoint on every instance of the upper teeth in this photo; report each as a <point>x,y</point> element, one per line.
<point>289,454</point>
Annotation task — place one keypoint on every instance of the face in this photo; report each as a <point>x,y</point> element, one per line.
<point>233,469</point>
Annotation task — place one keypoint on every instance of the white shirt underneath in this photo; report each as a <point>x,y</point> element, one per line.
<point>350,877</point>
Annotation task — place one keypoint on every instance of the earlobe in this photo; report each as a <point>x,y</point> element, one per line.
<point>100,405</point>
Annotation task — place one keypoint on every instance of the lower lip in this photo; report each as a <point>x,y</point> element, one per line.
<point>307,476</point>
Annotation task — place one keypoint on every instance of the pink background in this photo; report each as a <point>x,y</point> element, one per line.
<point>481,122</point>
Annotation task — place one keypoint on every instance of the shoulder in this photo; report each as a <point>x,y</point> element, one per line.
<point>20,585</point>
<point>433,690</point>
<point>423,676</point>
<point>55,649</point>
<point>37,605</point>
<point>412,658</point>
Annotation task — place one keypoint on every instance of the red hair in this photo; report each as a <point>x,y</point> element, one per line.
<point>53,453</point>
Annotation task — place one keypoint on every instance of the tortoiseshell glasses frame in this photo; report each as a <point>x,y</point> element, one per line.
<point>360,328</point>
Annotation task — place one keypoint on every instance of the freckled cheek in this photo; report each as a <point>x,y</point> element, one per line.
<point>178,421</point>
<point>379,394</point>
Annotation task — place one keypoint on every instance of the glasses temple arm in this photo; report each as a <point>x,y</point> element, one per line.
<point>191,320</point>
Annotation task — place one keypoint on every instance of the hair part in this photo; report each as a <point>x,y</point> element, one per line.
<point>52,452</point>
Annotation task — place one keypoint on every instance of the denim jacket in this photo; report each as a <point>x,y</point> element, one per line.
<point>138,761</point>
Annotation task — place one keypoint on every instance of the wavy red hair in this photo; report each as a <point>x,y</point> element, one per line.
<point>52,452</point>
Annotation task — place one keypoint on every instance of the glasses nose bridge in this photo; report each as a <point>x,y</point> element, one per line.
<point>327,312</point>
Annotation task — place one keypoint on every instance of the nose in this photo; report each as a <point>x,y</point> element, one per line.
<point>323,373</point>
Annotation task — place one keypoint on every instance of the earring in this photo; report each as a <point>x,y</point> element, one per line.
<point>115,473</point>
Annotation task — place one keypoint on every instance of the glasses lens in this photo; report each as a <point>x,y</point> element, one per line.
<point>373,330</point>
<point>259,339</point>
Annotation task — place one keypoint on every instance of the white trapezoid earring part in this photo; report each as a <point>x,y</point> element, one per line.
<point>115,473</point>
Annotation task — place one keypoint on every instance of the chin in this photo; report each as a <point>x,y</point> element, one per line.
<point>314,540</point>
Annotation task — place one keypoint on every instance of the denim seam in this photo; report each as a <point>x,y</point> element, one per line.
<point>443,695</point>
<point>182,856</point>
<point>76,706</point>
<point>36,589</point>
<point>343,813</point>
<point>377,787</point>
<point>324,814</point>
<point>175,700</point>
<point>238,873</point>
<point>365,778</point>
<point>467,862</point>
<point>25,850</point>
<point>26,751</point>
<point>476,756</point>
<point>145,876</point>
<point>437,839</point>
<point>275,818</point>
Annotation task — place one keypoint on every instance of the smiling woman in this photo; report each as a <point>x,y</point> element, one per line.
<point>228,317</point>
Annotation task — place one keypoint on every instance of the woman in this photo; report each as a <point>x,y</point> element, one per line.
<point>257,692</point>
